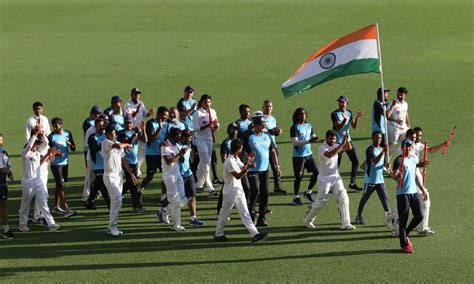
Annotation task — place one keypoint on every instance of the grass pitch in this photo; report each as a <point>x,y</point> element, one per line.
<point>73,54</point>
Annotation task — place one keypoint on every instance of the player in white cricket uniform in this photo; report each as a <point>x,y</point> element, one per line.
<point>170,156</point>
<point>42,173</point>
<point>203,133</point>
<point>233,194</point>
<point>398,118</point>
<point>329,179</point>
<point>32,186</point>
<point>114,159</point>
<point>33,120</point>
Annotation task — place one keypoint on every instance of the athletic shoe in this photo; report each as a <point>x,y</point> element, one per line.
<point>218,181</point>
<point>347,227</point>
<point>178,228</point>
<point>308,196</point>
<point>355,187</point>
<point>309,225</point>
<point>69,213</point>
<point>90,206</point>
<point>259,237</point>
<point>387,219</point>
<point>359,220</point>
<point>114,232</point>
<point>39,221</point>
<point>24,228</point>
<point>409,242</point>
<point>140,189</point>
<point>196,222</point>
<point>54,227</point>
<point>222,238</point>
<point>268,211</point>
<point>254,218</point>
<point>297,201</point>
<point>279,191</point>
<point>262,223</point>
<point>138,210</point>
<point>8,235</point>
<point>213,193</point>
<point>58,211</point>
<point>426,232</point>
<point>408,249</point>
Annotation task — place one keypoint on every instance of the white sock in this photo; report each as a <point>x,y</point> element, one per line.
<point>296,196</point>
<point>6,228</point>
<point>193,217</point>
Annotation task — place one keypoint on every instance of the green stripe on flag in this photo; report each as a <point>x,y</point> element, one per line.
<point>357,66</point>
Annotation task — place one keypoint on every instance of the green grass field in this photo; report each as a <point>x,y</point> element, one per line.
<point>73,54</point>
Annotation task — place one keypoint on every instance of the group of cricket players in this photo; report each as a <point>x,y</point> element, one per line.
<point>179,142</point>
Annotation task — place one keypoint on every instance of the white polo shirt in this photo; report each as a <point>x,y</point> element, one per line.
<point>200,118</point>
<point>399,113</point>
<point>232,164</point>
<point>327,166</point>
<point>112,158</point>
<point>169,149</point>
<point>31,124</point>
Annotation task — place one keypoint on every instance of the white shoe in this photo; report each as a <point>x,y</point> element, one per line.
<point>178,228</point>
<point>347,227</point>
<point>54,227</point>
<point>309,225</point>
<point>113,231</point>
<point>426,232</point>
<point>24,228</point>
<point>387,220</point>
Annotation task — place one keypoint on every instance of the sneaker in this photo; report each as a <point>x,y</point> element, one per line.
<point>279,191</point>
<point>254,218</point>
<point>218,181</point>
<point>355,187</point>
<point>347,227</point>
<point>359,220</point>
<point>261,223</point>
<point>89,205</point>
<point>408,249</point>
<point>259,237</point>
<point>39,221</point>
<point>114,232</point>
<point>69,213</point>
<point>308,196</point>
<point>387,219</point>
<point>409,242</point>
<point>268,211</point>
<point>297,201</point>
<point>309,225</point>
<point>196,222</point>
<point>58,211</point>
<point>213,193</point>
<point>222,238</point>
<point>138,210</point>
<point>24,228</point>
<point>205,189</point>
<point>426,232</point>
<point>140,189</point>
<point>8,235</point>
<point>178,228</point>
<point>54,227</point>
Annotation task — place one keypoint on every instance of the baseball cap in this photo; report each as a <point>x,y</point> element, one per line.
<point>116,99</point>
<point>135,91</point>
<point>379,91</point>
<point>344,99</point>
<point>258,119</point>
<point>232,127</point>
<point>96,110</point>
<point>407,142</point>
<point>188,88</point>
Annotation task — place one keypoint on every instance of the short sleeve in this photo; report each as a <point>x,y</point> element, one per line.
<point>293,131</point>
<point>397,163</point>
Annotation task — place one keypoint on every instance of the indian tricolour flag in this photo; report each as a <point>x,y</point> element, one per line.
<point>352,54</point>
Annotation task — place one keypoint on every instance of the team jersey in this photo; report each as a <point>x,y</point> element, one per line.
<point>95,151</point>
<point>4,163</point>
<point>188,123</point>
<point>378,119</point>
<point>118,120</point>
<point>59,141</point>
<point>31,123</point>
<point>112,158</point>
<point>184,104</point>
<point>178,125</point>
<point>200,118</point>
<point>135,107</point>
<point>327,166</point>
<point>409,174</point>
<point>184,165</point>
<point>232,164</point>
<point>153,146</point>
<point>130,155</point>
<point>88,122</point>
<point>303,132</point>
<point>170,150</point>
<point>399,113</point>
<point>337,116</point>
<point>373,172</point>
<point>270,123</point>
<point>416,152</point>
<point>243,126</point>
<point>262,145</point>
<point>225,146</point>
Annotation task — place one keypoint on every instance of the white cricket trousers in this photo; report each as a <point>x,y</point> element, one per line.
<point>44,180</point>
<point>204,148</point>
<point>141,157</point>
<point>88,179</point>
<point>235,197</point>
<point>34,188</point>
<point>395,133</point>
<point>114,185</point>
<point>325,185</point>
<point>426,204</point>
<point>174,193</point>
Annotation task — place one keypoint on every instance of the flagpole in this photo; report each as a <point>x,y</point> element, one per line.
<point>383,89</point>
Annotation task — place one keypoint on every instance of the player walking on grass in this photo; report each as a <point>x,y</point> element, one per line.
<point>329,179</point>
<point>88,128</point>
<point>32,185</point>
<point>114,160</point>
<point>234,169</point>
<point>5,171</point>
<point>342,120</point>
<point>302,135</point>
<point>373,177</point>
<point>404,168</point>
<point>62,140</point>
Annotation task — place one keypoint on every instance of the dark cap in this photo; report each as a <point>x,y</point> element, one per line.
<point>135,91</point>
<point>188,89</point>
<point>344,99</point>
<point>407,142</point>
<point>232,127</point>
<point>96,110</point>
<point>258,119</point>
<point>116,99</point>
<point>379,91</point>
